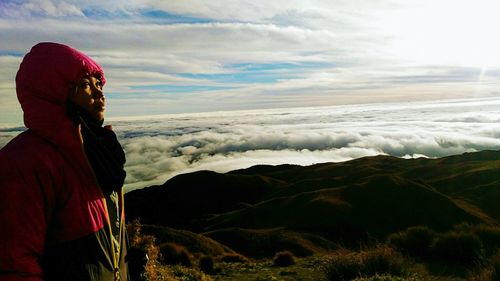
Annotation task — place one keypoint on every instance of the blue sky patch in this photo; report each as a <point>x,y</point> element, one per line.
<point>11,53</point>
<point>172,18</point>
<point>238,77</point>
<point>279,66</point>
<point>167,88</point>
<point>251,73</point>
<point>104,14</point>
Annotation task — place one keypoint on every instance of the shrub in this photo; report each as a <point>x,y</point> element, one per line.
<point>460,248</point>
<point>495,267</point>
<point>490,237</point>
<point>137,262</point>
<point>234,258</point>
<point>145,243</point>
<point>383,260</point>
<point>483,274</point>
<point>189,274</point>
<point>489,273</point>
<point>172,253</point>
<point>344,265</point>
<point>389,278</point>
<point>134,231</point>
<point>415,241</point>
<point>207,264</point>
<point>284,258</point>
<point>178,272</point>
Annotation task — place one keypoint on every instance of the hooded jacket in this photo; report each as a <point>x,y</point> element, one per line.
<point>54,220</point>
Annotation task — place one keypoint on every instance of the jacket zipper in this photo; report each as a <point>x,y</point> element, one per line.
<point>115,258</point>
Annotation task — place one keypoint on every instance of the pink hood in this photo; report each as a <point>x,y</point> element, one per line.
<point>44,79</point>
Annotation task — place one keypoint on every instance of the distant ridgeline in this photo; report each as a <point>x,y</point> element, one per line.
<point>314,208</point>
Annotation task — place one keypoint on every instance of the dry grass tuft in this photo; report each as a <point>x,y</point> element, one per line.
<point>207,264</point>
<point>380,260</point>
<point>458,247</point>
<point>234,258</point>
<point>172,253</point>
<point>284,258</point>
<point>147,244</point>
<point>415,241</point>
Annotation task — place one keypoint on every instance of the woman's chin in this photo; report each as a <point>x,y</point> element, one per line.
<point>98,116</point>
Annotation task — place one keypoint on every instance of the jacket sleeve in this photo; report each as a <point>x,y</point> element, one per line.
<point>25,205</point>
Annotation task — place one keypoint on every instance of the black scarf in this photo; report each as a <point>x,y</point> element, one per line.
<point>102,148</point>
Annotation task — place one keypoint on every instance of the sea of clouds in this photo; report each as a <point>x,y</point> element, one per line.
<point>160,147</point>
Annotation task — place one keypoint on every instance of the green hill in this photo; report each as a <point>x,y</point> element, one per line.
<point>369,197</point>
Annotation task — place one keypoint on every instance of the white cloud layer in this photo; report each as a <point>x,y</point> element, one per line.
<point>159,147</point>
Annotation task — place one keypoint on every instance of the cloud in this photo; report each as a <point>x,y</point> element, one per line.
<point>160,147</point>
<point>317,53</point>
<point>10,110</point>
<point>49,8</point>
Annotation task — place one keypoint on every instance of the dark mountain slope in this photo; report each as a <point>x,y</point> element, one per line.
<point>370,196</point>
<point>265,242</point>
<point>186,198</point>
<point>194,243</point>
<point>378,205</point>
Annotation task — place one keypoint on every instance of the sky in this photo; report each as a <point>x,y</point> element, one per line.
<point>223,85</point>
<point>164,57</point>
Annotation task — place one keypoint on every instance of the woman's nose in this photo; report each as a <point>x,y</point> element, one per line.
<point>98,93</point>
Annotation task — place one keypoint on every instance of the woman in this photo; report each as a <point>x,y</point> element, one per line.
<point>61,199</point>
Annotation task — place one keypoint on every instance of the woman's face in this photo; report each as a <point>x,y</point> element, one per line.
<point>89,96</point>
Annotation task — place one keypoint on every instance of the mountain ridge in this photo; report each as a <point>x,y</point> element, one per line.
<point>340,202</point>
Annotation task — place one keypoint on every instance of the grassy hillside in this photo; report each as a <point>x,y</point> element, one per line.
<point>320,209</point>
<point>370,196</point>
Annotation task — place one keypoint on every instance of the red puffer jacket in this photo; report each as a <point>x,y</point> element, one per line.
<point>53,214</point>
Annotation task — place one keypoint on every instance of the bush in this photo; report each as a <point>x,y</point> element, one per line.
<point>285,258</point>
<point>153,269</point>
<point>172,253</point>
<point>207,264</point>
<point>415,241</point>
<point>189,274</point>
<point>383,260</point>
<point>137,262</point>
<point>483,274</point>
<point>460,248</point>
<point>490,237</point>
<point>389,278</point>
<point>234,258</point>
<point>495,267</point>
<point>489,273</point>
<point>178,272</point>
<point>147,244</point>
<point>345,265</point>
